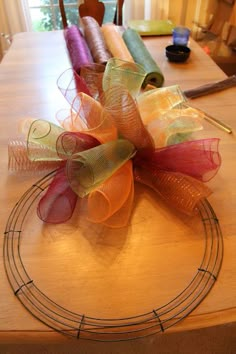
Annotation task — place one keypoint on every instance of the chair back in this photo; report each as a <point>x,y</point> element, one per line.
<point>95,9</point>
<point>63,13</point>
<point>118,18</point>
<point>92,8</point>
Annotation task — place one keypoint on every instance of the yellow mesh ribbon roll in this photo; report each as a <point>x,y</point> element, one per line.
<point>174,126</point>
<point>90,168</point>
<point>112,195</point>
<point>115,42</point>
<point>153,103</point>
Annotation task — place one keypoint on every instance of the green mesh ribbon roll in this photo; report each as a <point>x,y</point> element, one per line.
<point>142,56</point>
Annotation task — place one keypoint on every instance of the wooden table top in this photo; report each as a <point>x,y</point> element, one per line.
<point>90,269</point>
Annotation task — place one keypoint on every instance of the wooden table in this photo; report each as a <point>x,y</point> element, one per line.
<point>91,270</point>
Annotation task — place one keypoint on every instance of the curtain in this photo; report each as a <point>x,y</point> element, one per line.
<point>14,18</point>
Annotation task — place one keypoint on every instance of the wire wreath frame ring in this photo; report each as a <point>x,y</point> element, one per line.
<point>107,329</point>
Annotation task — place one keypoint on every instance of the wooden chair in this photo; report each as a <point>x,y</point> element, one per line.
<point>95,9</point>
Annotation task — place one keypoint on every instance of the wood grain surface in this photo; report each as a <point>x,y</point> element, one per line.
<point>91,269</point>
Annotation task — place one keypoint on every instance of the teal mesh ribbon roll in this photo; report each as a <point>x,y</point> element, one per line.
<point>142,56</point>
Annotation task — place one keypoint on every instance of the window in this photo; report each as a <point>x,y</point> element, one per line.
<point>45,14</point>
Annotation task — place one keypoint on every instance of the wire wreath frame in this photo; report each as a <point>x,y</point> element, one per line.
<point>107,329</point>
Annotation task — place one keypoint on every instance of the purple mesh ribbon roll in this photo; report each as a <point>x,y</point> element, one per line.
<point>78,49</point>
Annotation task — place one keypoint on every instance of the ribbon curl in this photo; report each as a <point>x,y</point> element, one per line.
<point>104,145</point>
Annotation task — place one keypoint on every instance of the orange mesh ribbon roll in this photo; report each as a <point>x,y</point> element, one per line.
<point>107,200</point>
<point>115,42</point>
<point>95,40</point>
<point>122,216</point>
<point>91,118</point>
<point>78,50</point>
<point>141,55</point>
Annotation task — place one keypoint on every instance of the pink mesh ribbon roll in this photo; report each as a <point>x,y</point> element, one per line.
<point>78,50</point>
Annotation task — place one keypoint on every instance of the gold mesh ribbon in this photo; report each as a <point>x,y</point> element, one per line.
<point>182,192</point>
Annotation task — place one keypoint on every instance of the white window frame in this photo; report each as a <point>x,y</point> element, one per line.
<point>53,7</point>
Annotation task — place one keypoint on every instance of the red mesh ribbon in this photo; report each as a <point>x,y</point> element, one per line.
<point>58,203</point>
<point>197,158</point>
<point>176,172</point>
<point>70,143</point>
